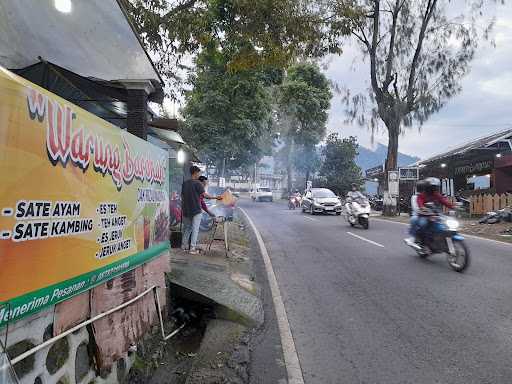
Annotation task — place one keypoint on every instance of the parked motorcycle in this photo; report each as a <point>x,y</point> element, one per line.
<point>441,236</point>
<point>358,212</point>
<point>376,203</point>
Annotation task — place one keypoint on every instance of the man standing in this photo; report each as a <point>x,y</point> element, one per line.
<point>192,191</point>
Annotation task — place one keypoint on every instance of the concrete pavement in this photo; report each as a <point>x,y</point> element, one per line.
<point>364,309</point>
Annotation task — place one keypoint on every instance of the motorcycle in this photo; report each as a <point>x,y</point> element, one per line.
<point>358,212</point>
<point>441,236</point>
<point>376,203</point>
<point>294,202</point>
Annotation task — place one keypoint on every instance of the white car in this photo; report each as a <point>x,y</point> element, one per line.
<point>261,194</point>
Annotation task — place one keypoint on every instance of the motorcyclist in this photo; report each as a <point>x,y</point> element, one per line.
<point>420,187</point>
<point>430,194</point>
<point>353,195</point>
<point>295,198</point>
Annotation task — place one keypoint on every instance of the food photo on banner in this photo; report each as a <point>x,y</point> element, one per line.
<point>81,201</point>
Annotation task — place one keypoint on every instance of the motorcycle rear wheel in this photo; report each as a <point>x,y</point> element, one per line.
<point>461,260</point>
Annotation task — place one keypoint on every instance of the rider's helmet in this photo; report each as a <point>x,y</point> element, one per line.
<point>433,185</point>
<point>420,186</point>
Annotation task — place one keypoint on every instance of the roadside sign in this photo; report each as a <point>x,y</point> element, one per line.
<point>409,173</point>
<point>222,182</point>
<point>393,183</point>
<point>98,208</point>
<point>375,171</point>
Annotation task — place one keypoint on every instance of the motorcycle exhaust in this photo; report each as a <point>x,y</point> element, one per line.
<point>414,246</point>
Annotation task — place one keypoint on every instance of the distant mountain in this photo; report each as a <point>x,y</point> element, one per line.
<point>369,158</point>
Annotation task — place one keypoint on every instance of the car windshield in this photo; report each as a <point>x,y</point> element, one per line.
<point>320,193</point>
<point>264,190</point>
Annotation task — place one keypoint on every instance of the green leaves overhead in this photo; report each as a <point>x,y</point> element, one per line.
<point>254,33</point>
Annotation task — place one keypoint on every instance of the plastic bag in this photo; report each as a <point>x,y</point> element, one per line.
<point>228,198</point>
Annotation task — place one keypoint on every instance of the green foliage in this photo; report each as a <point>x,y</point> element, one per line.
<point>306,159</point>
<point>228,114</point>
<point>256,32</point>
<point>303,101</point>
<point>339,169</point>
<point>302,104</point>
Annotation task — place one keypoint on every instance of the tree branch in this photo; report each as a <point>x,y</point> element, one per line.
<point>391,52</point>
<point>181,7</point>
<point>429,11</point>
<point>373,51</point>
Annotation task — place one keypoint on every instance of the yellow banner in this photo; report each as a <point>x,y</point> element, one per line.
<point>77,195</point>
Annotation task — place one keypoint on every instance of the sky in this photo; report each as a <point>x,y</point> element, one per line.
<point>483,106</point>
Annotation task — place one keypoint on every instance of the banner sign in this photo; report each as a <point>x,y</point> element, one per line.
<point>375,171</point>
<point>409,173</point>
<point>393,183</point>
<point>81,201</point>
<point>476,167</point>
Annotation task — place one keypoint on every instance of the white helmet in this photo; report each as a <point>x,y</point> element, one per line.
<point>433,184</point>
<point>434,181</point>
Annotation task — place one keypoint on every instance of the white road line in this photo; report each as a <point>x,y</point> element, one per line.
<point>310,218</point>
<point>501,242</point>
<point>390,221</point>
<point>365,239</point>
<point>291,359</point>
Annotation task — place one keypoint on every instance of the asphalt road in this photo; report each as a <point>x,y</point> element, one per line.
<point>373,312</point>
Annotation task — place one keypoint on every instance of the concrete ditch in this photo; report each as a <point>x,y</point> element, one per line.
<point>224,298</point>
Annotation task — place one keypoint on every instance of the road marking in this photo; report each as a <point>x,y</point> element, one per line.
<point>310,218</point>
<point>291,359</point>
<point>501,242</point>
<point>391,221</point>
<point>365,239</point>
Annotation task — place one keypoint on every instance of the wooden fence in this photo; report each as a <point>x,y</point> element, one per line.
<point>481,204</point>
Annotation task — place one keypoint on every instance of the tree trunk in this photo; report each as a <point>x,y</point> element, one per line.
<point>307,178</point>
<point>289,165</point>
<point>390,202</point>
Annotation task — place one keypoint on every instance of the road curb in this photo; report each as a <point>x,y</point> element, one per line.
<point>291,357</point>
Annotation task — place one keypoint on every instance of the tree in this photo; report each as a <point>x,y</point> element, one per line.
<point>307,161</point>
<point>172,30</point>
<point>303,104</point>
<point>418,56</point>
<point>228,115</point>
<point>339,169</point>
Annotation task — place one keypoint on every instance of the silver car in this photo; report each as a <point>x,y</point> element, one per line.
<point>321,200</point>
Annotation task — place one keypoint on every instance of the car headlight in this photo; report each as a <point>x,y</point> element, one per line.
<point>452,224</point>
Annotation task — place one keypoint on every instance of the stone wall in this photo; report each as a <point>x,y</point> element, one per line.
<point>77,358</point>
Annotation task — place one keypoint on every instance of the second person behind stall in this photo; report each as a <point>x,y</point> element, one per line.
<point>192,191</point>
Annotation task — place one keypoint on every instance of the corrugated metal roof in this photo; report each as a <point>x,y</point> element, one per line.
<point>482,142</point>
<point>93,39</point>
<point>167,135</point>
